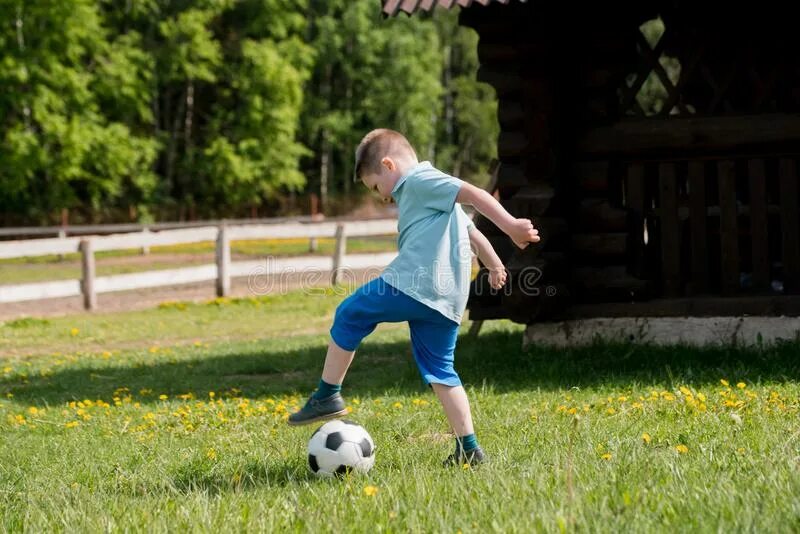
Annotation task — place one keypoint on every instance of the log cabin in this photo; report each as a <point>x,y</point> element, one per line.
<point>655,144</point>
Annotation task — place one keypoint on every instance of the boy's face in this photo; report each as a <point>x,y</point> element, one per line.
<point>383,182</point>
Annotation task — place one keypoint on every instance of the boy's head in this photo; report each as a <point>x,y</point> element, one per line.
<point>382,157</point>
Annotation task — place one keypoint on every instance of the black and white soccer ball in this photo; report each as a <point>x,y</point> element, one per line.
<point>340,446</point>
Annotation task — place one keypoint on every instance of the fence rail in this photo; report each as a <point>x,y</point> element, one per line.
<point>222,271</point>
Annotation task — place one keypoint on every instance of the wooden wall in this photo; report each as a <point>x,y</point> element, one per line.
<point>655,213</point>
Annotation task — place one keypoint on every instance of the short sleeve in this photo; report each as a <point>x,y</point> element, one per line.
<point>437,191</point>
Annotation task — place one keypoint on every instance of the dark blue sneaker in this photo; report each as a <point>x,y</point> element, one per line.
<point>319,410</point>
<point>471,458</point>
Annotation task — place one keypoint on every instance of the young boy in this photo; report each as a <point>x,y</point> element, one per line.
<point>427,285</point>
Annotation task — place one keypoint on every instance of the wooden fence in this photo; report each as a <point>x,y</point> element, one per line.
<point>222,271</point>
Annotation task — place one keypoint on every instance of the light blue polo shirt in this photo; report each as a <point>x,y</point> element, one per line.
<point>434,264</point>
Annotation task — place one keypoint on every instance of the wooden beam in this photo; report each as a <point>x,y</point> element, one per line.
<point>88,274</point>
<point>635,204</point>
<point>686,135</point>
<point>696,307</point>
<point>728,228</point>
<point>698,226</point>
<point>790,213</point>
<point>223,256</point>
<point>338,254</point>
<point>758,223</point>
<point>670,230</point>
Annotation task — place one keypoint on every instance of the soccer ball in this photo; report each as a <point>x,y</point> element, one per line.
<point>339,446</point>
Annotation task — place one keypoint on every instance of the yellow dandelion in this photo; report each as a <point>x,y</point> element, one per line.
<point>741,385</point>
<point>685,390</point>
<point>7,370</point>
<point>72,424</point>
<point>572,411</point>
<point>740,450</point>
<point>152,350</point>
<point>397,405</point>
<point>106,355</point>
<point>211,454</point>
<point>465,466</point>
<point>74,332</point>
<point>606,456</point>
<point>724,382</point>
<point>163,397</point>
<point>611,411</point>
<point>33,410</point>
<point>370,491</point>
<point>682,449</point>
<point>646,438</point>
<point>211,394</point>
<point>701,397</point>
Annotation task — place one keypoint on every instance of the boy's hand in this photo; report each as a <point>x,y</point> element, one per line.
<point>523,233</point>
<point>497,277</point>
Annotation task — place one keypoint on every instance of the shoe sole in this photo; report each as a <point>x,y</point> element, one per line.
<point>325,417</point>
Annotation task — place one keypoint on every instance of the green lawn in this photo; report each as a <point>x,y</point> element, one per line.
<point>173,419</point>
<point>52,267</point>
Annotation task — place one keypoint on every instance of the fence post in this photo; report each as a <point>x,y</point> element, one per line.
<point>312,244</point>
<point>146,246</point>
<point>62,234</point>
<point>223,262</point>
<point>339,252</point>
<point>87,277</point>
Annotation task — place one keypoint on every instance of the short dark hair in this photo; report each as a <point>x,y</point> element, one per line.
<point>376,145</point>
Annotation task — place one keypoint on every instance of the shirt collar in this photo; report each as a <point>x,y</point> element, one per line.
<point>413,170</point>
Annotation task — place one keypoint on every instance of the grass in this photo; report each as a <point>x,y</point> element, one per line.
<point>126,425</point>
<point>53,267</point>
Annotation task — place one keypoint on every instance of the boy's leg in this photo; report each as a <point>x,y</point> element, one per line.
<point>356,317</point>
<point>337,362</point>
<point>433,340</point>
<point>456,408</point>
<point>327,402</point>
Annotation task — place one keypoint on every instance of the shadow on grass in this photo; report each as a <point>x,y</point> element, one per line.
<point>192,478</point>
<point>493,359</point>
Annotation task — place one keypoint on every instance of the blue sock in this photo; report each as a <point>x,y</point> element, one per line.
<point>467,443</point>
<point>326,390</point>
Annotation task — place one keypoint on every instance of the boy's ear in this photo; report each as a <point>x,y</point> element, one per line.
<point>388,163</point>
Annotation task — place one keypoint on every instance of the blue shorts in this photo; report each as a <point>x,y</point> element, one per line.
<point>433,336</point>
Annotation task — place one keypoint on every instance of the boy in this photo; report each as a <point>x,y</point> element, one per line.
<point>426,285</point>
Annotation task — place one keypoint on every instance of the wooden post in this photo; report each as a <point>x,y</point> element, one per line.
<point>62,234</point>
<point>670,230</point>
<point>312,244</point>
<point>223,263</point>
<point>87,277</point>
<point>146,246</point>
<point>339,252</point>
<point>728,229</point>
<point>790,225</point>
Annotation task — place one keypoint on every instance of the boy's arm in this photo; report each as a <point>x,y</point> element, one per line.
<point>489,258</point>
<point>521,231</point>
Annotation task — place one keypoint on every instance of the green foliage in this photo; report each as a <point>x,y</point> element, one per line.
<point>203,108</point>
